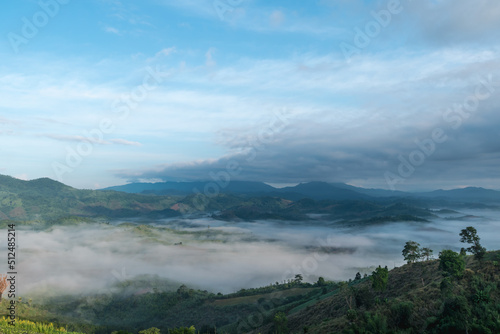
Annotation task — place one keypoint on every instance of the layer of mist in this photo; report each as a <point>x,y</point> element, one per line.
<point>225,257</point>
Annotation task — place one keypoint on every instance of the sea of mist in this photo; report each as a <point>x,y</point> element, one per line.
<point>223,256</point>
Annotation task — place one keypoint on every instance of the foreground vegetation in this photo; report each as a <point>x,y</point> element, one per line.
<point>457,293</point>
<point>30,327</point>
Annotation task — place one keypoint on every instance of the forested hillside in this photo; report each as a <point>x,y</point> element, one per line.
<point>45,202</point>
<point>48,201</point>
<point>434,296</point>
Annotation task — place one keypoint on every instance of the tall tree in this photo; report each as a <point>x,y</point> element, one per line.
<point>469,235</point>
<point>426,253</point>
<point>321,281</point>
<point>379,278</point>
<point>411,251</point>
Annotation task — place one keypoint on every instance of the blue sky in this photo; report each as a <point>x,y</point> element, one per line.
<point>366,92</point>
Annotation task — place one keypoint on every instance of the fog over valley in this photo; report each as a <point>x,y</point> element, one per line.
<point>225,257</point>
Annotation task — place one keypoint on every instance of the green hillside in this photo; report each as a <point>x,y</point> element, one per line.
<point>418,298</point>
<point>48,201</point>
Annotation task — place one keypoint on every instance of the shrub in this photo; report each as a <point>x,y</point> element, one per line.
<point>401,314</point>
<point>281,323</point>
<point>152,330</point>
<point>182,330</point>
<point>451,263</point>
<point>379,278</point>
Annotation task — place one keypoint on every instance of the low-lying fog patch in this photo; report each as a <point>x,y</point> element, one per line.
<point>225,257</point>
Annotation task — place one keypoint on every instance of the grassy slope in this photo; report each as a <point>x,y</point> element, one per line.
<point>138,309</point>
<point>418,283</point>
<point>255,298</point>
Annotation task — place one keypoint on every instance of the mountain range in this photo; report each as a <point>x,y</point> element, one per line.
<point>312,190</point>
<point>47,202</point>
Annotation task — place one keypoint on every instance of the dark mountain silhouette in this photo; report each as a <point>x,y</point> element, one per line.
<point>469,194</point>
<point>186,188</point>
<point>323,190</point>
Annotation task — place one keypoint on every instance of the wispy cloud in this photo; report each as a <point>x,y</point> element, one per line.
<point>4,120</point>
<point>125,142</point>
<point>162,53</point>
<point>112,30</point>
<point>78,139</point>
<point>82,139</point>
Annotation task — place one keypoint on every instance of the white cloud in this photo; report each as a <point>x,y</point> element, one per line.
<point>396,93</point>
<point>162,53</point>
<point>112,30</point>
<point>125,142</point>
<point>79,139</point>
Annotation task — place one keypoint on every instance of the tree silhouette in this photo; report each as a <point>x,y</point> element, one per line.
<point>298,279</point>
<point>411,251</point>
<point>321,281</point>
<point>426,253</point>
<point>469,235</point>
<point>379,278</point>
